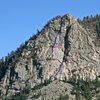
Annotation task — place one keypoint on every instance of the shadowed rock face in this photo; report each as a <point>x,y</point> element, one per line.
<point>63,49</point>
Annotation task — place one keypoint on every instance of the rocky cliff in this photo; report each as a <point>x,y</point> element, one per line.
<point>62,50</point>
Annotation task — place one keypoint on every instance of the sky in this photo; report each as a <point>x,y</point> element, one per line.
<point>20,19</point>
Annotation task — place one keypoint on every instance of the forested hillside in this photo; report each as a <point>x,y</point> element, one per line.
<point>92,23</point>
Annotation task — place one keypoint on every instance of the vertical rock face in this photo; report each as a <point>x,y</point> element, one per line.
<point>63,49</point>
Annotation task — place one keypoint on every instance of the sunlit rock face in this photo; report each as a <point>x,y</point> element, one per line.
<point>62,50</point>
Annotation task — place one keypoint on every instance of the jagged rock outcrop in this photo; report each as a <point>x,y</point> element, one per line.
<point>62,50</point>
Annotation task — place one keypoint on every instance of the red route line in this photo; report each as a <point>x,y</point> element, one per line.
<point>57,71</point>
<point>55,45</point>
<point>57,60</point>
